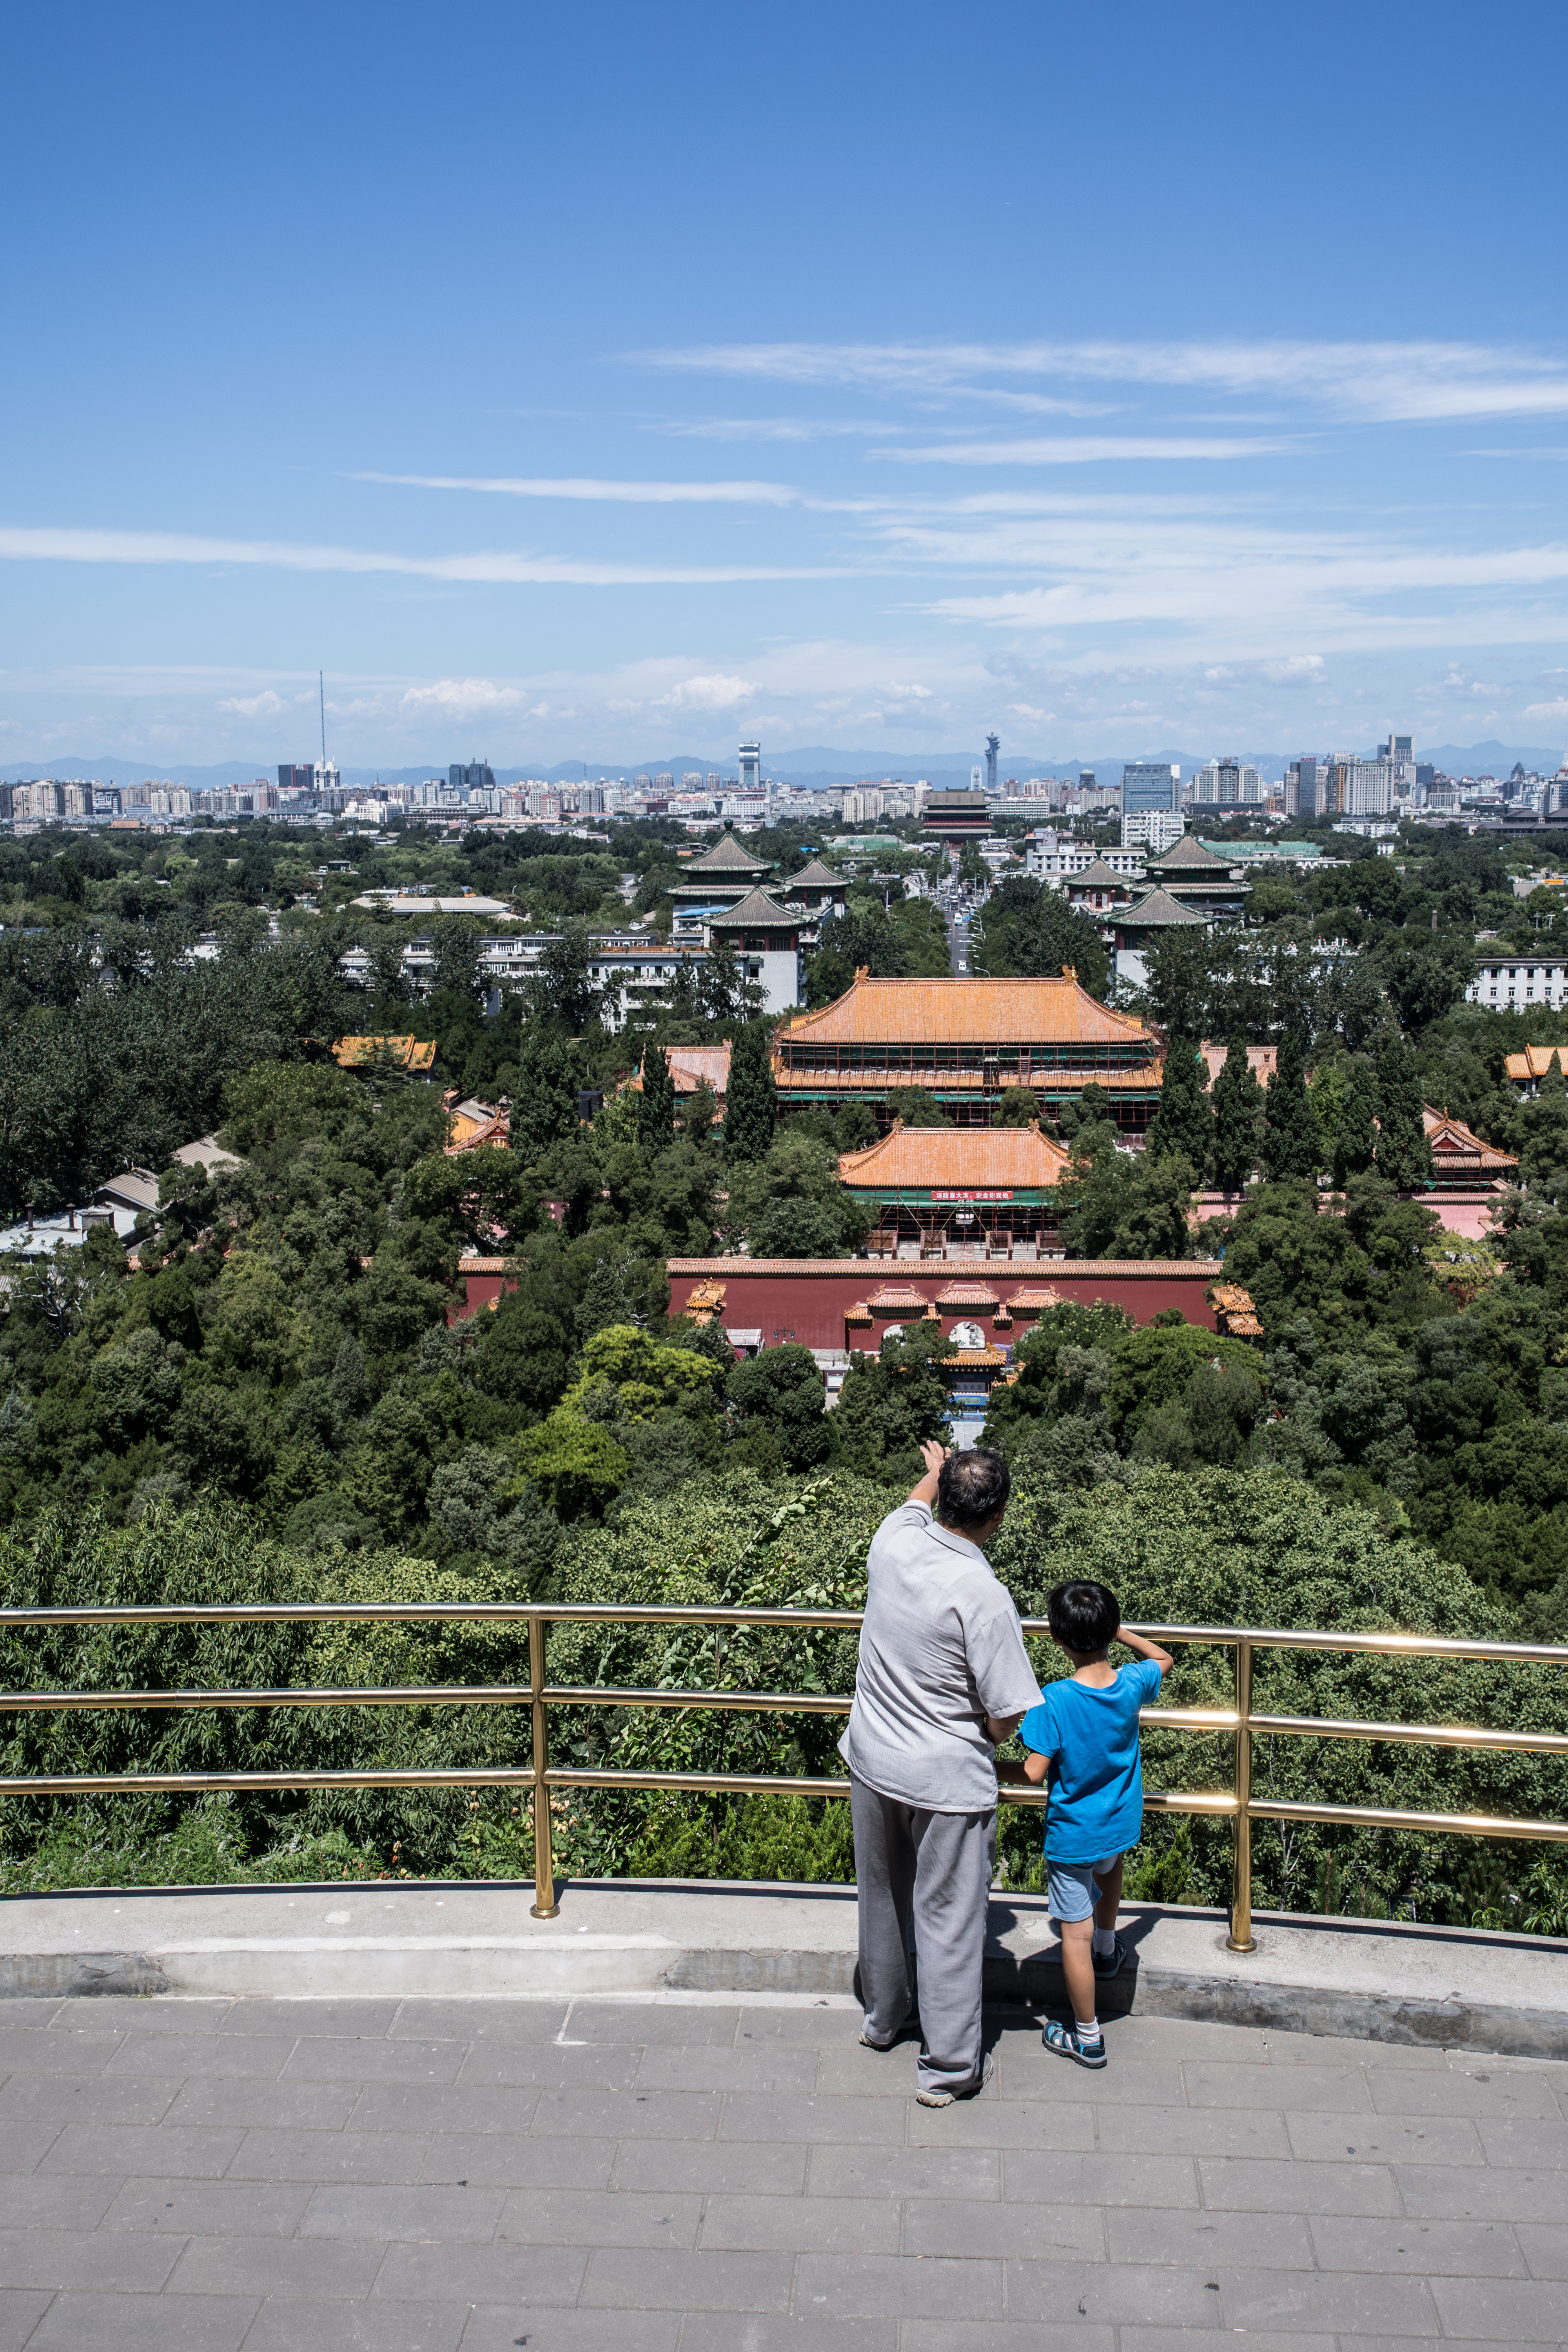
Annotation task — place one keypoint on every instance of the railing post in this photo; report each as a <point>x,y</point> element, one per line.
<point>1240,1937</point>
<point>544,1905</point>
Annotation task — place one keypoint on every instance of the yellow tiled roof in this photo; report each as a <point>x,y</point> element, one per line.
<point>956,1159</point>
<point>954,1012</point>
<point>409,1053</point>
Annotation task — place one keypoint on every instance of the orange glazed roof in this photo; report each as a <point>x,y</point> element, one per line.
<point>953,1012</point>
<point>1534,1063</point>
<point>1452,1140</point>
<point>963,1159</point>
<point>408,1053</point>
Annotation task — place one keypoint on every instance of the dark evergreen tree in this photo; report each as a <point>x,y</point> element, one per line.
<point>545,1108</point>
<point>1357,1138</point>
<point>751,1104</point>
<point>1552,1083</point>
<point>1403,1156</point>
<point>1238,1118</point>
<point>656,1105</point>
<point>1292,1141</point>
<point>1183,1123</point>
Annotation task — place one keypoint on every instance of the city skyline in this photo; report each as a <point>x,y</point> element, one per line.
<point>598,449</point>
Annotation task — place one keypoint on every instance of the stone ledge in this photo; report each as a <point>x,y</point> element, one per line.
<point>649,1939</point>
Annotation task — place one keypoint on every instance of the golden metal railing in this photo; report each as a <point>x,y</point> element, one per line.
<point>1238,1803</point>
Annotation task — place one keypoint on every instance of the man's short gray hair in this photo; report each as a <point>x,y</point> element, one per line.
<point>973,1487</point>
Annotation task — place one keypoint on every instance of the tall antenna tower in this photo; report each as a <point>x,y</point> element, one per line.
<point>321,690</point>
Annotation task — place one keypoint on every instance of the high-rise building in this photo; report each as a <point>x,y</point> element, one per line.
<point>1150,784</point>
<point>1228,783</point>
<point>750,767</point>
<point>294,778</point>
<point>478,776</point>
<point>1086,782</point>
<point>993,745</point>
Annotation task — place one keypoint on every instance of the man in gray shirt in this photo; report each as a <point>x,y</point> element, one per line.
<point>944,1679</point>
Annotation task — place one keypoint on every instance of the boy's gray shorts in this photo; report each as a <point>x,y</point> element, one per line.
<point>1074,1887</point>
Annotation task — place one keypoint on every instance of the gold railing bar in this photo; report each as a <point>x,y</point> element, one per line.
<point>104,1784</point>
<point>1397,1646</point>
<point>740,1701</point>
<point>389,1695</point>
<point>1377,1817</point>
<point>1192,1718</point>
<point>1416,1735</point>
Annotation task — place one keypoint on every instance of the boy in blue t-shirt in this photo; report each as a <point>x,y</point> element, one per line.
<point>1085,1733</point>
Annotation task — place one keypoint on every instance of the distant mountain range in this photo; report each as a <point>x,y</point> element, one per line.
<point>813,768</point>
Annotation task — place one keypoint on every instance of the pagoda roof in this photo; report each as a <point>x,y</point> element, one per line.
<point>959,1293</point>
<point>1534,1063</point>
<point>1454,1145</point>
<point>897,1296</point>
<point>1097,876</point>
<point>1158,911</point>
<point>727,856</point>
<point>755,911</point>
<point>1188,855</point>
<point>954,1012</point>
<point>814,877</point>
<point>1018,1159</point>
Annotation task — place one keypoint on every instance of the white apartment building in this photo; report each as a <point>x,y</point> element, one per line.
<point>1053,861</point>
<point>1153,829</point>
<point>1503,982</point>
<point>864,805</point>
<point>1228,783</point>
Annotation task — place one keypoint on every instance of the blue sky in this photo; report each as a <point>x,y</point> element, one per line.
<point>599,381</point>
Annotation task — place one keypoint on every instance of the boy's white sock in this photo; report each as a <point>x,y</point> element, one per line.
<point>1087,2028</point>
<point>1104,1942</point>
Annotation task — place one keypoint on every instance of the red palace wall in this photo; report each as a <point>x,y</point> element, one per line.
<point>805,1299</point>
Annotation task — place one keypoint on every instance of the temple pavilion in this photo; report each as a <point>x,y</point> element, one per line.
<point>719,879</point>
<point>965,1041</point>
<point>958,1192</point>
<point>1196,878</point>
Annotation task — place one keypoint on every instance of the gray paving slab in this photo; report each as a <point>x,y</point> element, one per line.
<point>125,2148</point>
<point>600,2217</point>
<point>21,2308</point>
<point>145,2322</point>
<point>619,2280</point>
<point>363,2327</point>
<point>890,2286</point>
<point>251,2209</point>
<point>453,2216</point>
<point>496,2329</point>
<point>317,2269</point>
<point>848,2225</point>
<point>677,2175</point>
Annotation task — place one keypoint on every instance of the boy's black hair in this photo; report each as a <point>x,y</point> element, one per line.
<point>1083,1615</point>
<point>971,1489</point>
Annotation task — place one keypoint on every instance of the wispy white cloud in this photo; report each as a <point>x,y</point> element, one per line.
<point>632,494</point>
<point>1075,450</point>
<point>1380,381</point>
<point>470,698</point>
<point>264,705</point>
<point>498,566</point>
<point>714,692</point>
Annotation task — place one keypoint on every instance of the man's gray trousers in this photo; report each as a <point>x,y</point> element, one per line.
<point>933,1869</point>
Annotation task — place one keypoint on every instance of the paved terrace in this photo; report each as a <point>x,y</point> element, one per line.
<point>700,2173</point>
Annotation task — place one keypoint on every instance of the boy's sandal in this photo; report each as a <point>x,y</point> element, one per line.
<point>1067,2043</point>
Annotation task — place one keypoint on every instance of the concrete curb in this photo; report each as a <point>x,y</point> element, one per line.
<point>646,1939</point>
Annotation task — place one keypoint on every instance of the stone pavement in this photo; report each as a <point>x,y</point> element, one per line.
<point>691,2173</point>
